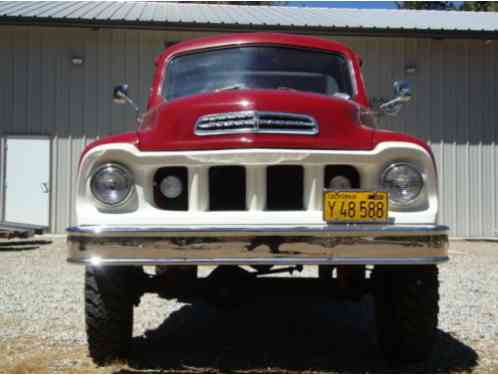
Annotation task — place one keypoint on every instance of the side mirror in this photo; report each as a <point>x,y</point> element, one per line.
<point>402,90</point>
<point>120,93</point>
<point>120,96</point>
<point>402,95</point>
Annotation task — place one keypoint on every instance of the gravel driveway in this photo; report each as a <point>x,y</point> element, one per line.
<point>42,326</point>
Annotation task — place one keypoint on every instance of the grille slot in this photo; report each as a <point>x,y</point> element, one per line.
<point>256,122</point>
<point>285,188</point>
<point>227,188</point>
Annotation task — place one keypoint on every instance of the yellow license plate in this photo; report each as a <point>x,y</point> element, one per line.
<point>355,206</point>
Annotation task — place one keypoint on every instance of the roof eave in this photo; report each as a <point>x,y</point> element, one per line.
<point>195,26</point>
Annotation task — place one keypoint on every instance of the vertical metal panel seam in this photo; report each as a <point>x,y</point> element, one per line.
<point>440,111</point>
<point>480,149</point>
<point>140,69</point>
<point>455,180</point>
<point>494,124</point>
<point>27,80</point>
<point>467,158</point>
<point>68,139</point>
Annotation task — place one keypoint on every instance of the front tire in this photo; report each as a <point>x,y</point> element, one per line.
<point>109,300</point>
<point>406,306</point>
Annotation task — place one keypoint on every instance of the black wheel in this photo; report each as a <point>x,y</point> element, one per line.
<point>110,293</point>
<point>406,305</point>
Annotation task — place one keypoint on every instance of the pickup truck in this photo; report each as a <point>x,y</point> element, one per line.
<point>257,154</point>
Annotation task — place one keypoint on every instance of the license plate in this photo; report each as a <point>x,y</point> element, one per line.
<point>355,206</point>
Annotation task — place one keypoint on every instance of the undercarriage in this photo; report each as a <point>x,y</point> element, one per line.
<point>233,284</point>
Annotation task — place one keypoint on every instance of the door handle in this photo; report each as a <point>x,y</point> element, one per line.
<point>44,187</point>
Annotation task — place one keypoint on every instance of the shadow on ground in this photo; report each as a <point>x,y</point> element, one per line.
<point>282,335</point>
<point>14,245</point>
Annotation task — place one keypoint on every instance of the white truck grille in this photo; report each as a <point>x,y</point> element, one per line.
<point>256,122</point>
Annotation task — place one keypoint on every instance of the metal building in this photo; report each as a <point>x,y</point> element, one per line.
<point>59,62</point>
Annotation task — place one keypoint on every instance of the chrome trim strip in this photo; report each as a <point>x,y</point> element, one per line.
<point>252,122</point>
<point>260,261</point>
<point>334,230</point>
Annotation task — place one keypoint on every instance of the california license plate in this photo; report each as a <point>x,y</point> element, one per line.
<point>355,206</point>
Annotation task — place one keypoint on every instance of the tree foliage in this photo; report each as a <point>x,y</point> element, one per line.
<point>426,5</point>
<point>473,6</point>
<point>480,6</point>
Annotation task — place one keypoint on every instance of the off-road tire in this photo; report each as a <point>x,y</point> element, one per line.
<point>406,307</point>
<point>110,294</point>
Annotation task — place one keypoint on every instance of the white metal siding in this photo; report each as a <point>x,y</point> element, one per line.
<point>454,105</point>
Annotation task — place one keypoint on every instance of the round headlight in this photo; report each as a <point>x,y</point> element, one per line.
<point>111,184</point>
<point>171,187</point>
<point>403,182</point>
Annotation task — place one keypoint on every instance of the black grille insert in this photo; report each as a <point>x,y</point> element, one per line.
<point>227,188</point>
<point>284,188</point>
<point>179,203</point>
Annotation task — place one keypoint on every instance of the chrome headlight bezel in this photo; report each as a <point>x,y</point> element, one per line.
<point>403,203</point>
<point>119,168</point>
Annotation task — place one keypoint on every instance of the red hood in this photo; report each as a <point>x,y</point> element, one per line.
<point>170,126</point>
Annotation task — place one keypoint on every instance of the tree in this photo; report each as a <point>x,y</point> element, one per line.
<point>472,6</point>
<point>426,5</point>
<point>480,6</point>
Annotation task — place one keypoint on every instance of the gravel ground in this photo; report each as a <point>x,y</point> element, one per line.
<point>42,323</point>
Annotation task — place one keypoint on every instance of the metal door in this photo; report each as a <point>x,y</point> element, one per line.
<point>27,180</point>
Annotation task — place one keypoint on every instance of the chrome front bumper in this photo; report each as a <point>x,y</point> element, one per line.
<point>200,245</point>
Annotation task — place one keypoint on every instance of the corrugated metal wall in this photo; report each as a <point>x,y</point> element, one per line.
<point>454,107</point>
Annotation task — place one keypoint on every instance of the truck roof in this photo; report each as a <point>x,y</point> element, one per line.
<point>257,38</point>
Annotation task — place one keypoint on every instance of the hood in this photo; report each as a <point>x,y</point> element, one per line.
<point>171,126</point>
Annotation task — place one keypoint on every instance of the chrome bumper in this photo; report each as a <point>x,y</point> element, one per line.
<point>321,244</point>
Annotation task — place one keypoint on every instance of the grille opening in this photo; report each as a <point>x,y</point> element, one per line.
<point>341,170</point>
<point>256,122</point>
<point>227,188</point>
<point>287,122</point>
<point>179,203</point>
<point>284,188</point>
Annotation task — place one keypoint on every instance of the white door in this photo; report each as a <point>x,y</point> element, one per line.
<point>27,178</point>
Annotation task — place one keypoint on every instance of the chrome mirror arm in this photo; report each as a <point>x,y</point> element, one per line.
<point>132,103</point>
<point>403,94</point>
<point>392,107</point>
<point>120,96</point>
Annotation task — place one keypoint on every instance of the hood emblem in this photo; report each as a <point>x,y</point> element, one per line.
<point>256,122</point>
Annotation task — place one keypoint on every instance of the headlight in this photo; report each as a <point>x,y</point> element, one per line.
<point>171,187</point>
<point>403,182</point>
<point>111,184</point>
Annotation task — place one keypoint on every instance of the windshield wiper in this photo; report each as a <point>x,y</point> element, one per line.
<point>237,86</point>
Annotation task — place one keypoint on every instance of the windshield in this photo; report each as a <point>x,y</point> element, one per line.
<point>258,67</point>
